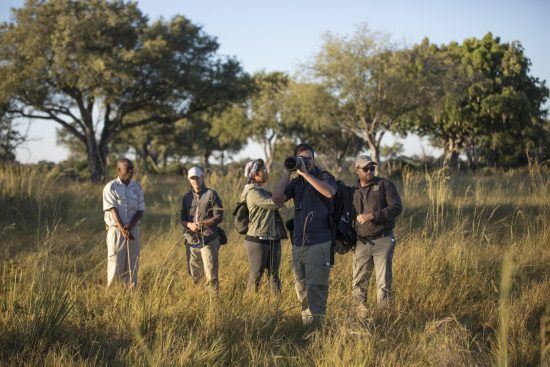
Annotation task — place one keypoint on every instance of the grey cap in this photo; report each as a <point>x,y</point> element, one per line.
<point>194,172</point>
<point>363,161</point>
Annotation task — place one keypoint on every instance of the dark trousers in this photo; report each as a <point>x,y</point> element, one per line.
<point>264,257</point>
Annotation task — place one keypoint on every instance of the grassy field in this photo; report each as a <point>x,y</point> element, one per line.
<point>471,282</point>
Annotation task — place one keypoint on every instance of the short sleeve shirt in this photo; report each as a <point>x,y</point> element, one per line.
<point>127,199</point>
<point>311,210</point>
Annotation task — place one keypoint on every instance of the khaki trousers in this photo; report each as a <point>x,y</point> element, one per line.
<point>311,265</point>
<point>122,257</point>
<point>204,261</point>
<point>372,255</point>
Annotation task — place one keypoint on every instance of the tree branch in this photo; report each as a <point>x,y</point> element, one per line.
<point>64,111</point>
<point>141,122</point>
<point>379,139</point>
<point>51,116</point>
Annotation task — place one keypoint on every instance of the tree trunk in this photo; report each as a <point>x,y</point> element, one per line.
<point>471,155</point>
<point>149,158</point>
<point>269,151</point>
<point>374,150</point>
<point>451,154</point>
<point>205,160</point>
<point>97,160</point>
<point>451,160</point>
<point>222,159</point>
<point>339,163</point>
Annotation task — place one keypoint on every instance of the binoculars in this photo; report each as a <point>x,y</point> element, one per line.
<point>292,163</point>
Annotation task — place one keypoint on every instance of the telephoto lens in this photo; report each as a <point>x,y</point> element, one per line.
<point>291,163</point>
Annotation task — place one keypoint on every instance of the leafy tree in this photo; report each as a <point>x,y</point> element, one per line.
<point>370,81</point>
<point>513,148</point>
<point>260,117</point>
<point>393,156</point>
<point>196,137</point>
<point>90,66</point>
<point>479,90</point>
<point>150,144</point>
<point>265,119</point>
<point>317,119</point>
<point>231,127</point>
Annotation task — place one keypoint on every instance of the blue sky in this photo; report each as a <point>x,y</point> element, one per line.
<point>281,35</point>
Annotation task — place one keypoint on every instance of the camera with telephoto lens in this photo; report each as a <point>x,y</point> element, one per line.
<point>293,163</point>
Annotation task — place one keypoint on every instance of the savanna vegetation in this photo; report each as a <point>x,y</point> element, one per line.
<point>472,263</point>
<point>471,281</point>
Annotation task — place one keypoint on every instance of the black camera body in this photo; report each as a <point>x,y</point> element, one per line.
<point>292,163</point>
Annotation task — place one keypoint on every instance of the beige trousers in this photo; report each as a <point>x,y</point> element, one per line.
<point>122,257</point>
<point>375,255</point>
<point>204,261</point>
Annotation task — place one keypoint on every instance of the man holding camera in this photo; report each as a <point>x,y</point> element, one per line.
<point>376,203</point>
<point>201,212</point>
<point>312,192</point>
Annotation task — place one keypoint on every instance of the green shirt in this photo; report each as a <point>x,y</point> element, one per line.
<point>265,221</point>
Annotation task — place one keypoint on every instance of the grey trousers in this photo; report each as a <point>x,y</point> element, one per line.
<point>264,257</point>
<point>311,265</point>
<point>372,255</point>
<point>204,261</point>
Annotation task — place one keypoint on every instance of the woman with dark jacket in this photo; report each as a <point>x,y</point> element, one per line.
<point>265,228</point>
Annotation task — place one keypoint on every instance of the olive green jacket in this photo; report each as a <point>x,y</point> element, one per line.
<point>265,221</point>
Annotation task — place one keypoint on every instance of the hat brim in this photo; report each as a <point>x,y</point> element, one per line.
<point>366,165</point>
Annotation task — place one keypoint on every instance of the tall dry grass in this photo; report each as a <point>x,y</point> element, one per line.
<point>471,282</point>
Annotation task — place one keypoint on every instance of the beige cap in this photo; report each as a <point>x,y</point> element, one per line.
<point>363,161</point>
<point>194,172</point>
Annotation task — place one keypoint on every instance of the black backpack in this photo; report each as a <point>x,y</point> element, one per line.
<point>341,221</point>
<point>343,215</point>
<point>241,217</point>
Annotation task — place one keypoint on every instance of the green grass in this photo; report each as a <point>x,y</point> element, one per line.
<point>471,281</point>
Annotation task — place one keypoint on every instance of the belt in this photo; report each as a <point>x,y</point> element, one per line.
<point>375,237</point>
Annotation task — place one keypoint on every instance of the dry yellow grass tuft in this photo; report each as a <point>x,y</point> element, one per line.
<point>471,282</point>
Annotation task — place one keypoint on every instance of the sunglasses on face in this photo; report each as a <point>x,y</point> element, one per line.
<point>369,169</point>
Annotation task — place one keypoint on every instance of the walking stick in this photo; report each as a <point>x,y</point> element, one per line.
<point>127,241</point>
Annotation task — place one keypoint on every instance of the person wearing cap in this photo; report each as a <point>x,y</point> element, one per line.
<point>123,207</point>
<point>376,203</point>
<point>265,228</point>
<point>312,192</point>
<point>201,212</point>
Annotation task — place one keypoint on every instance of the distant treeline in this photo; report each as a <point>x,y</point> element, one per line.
<point>117,83</point>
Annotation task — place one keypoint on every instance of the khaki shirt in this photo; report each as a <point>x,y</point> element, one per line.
<point>265,221</point>
<point>126,199</point>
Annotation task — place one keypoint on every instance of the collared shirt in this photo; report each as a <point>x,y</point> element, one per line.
<point>198,207</point>
<point>311,209</point>
<point>380,198</point>
<point>127,199</point>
